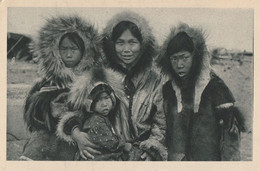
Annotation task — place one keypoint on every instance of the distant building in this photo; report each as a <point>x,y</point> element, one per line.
<point>221,53</point>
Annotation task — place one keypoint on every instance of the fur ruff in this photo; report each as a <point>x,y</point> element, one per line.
<point>149,45</point>
<point>51,64</point>
<point>80,90</point>
<point>60,133</point>
<point>78,97</point>
<point>198,38</point>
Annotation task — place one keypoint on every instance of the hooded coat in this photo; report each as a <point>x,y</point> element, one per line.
<point>140,118</point>
<point>210,129</point>
<point>46,101</point>
<point>98,127</point>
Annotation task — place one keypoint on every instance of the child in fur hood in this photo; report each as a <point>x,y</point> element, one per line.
<point>96,118</point>
<point>202,121</point>
<point>97,123</point>
<point>67,47</point>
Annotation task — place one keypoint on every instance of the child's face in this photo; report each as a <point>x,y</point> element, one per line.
<point>104,104</point>
<point>70,53</point>
<point>181,63</point>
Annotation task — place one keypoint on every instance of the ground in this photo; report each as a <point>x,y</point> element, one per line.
<point>20,76</point>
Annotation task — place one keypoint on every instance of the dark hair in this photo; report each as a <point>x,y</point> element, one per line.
<point>123,26</point>
<point>96,92</point>
<point>148,49</point>
<point>76,39</point>
<point>182,42</point>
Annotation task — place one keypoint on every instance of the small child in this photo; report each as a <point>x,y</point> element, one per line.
<point>97,124</point>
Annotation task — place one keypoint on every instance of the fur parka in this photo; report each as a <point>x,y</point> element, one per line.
<point>211,129</point>
<point>139,118</point>
<point>45,100</point>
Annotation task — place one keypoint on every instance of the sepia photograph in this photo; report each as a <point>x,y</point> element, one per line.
<point>130,84</point>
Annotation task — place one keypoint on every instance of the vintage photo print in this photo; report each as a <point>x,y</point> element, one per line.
<point>129,83</point>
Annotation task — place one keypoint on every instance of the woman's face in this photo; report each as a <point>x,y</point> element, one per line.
<point>70,53</point>
<point>181,63</point>
<point>127,48</point>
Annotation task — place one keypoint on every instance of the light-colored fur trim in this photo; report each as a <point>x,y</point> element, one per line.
<point>225,106</point>
<point>79,92</point>
<point>134,18</point>
<point>198,37</point>
<point>51,64</point>
<point>85,84</point>
<point>115,80</point>
<point>178,96</point>
<point>60,127</point>
<point>202,81</point>
<point>149,45</point>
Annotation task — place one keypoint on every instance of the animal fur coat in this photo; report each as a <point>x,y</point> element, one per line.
<point>140,118</point>
<point>202,121</point>
<point>46,101</point>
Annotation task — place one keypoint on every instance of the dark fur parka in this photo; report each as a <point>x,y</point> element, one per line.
<point>208,128</point>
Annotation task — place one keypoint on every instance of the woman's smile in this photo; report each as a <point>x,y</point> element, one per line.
<point>127,48</point>
<point>127,57</point>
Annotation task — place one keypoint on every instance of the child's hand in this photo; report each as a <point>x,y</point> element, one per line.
<point>86,148</point>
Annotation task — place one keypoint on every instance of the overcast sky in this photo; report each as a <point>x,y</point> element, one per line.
<point>229,28</point>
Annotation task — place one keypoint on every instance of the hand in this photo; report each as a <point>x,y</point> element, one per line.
<point>146,157</point>
<point>86,148</point>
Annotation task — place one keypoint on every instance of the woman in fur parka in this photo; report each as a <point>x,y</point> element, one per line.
<point>67,47</point>
<point>202,121</point>
<point>129,48</point>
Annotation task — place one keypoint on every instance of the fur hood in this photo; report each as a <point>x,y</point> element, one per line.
<point>81,89</point>
<point>51,64</point>
<point>148,45</point>
<point>204,74</point>
<point>78,98</point>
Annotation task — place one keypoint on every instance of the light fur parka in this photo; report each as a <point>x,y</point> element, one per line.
<point>213,132</point>
<point>46,101</point>
<point>56,78</point>
<point>147,116</point>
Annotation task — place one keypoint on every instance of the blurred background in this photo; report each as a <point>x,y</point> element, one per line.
<point>230,35</point>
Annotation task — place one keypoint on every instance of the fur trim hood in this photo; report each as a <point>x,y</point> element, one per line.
<point>148,44</point>
<point>204,74</point>
<point>79,95</point>
<point>51,64</point>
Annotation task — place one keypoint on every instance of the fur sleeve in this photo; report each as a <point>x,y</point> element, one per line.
<point>222,96</point>
<point>231,124</point>
<point>156,141</point>
<point>28,105</point>
<point>67,122</point>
